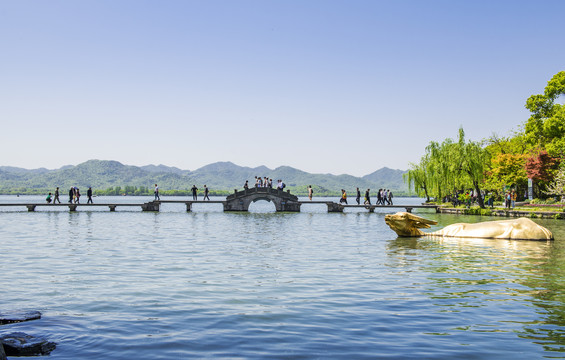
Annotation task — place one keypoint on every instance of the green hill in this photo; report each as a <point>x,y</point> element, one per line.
<point>388,178</point>
<point>221,177</point>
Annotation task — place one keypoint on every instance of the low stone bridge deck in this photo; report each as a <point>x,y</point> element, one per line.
<point>284,201</point>
<point>150,206</point>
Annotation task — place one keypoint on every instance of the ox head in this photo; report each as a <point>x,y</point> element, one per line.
<point>407,224</point>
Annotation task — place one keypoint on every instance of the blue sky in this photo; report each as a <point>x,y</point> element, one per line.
<point>323,86</point>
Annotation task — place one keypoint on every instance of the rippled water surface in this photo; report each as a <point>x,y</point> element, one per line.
<point>310,285</point>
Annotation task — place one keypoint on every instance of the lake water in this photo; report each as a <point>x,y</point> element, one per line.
<point>261,285</point>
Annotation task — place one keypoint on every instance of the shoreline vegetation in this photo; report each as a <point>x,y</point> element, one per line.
<point>528,164</point>
<point>533,212</point>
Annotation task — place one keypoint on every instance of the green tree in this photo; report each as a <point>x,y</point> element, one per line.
<point>472,160</point>
<point>515,144</point>
<point>451,166</point>
<point>546,126</point>
<point>557,186</point>
<point>416,178</point>
<point>507,170</point>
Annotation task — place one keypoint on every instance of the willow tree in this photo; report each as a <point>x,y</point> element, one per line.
<point>471,161</point>
<point>433,175</point>
<point>441,168</point>
<point>450,166</point>
<point>417,178</point>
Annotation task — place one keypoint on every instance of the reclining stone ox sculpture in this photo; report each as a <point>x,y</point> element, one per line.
<point>407,224</point>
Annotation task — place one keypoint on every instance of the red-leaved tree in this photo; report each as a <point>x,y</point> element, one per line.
<point>541,168</point>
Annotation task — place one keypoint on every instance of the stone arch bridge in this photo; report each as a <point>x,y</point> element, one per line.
<point>240,200</point>
<point>284,201</point>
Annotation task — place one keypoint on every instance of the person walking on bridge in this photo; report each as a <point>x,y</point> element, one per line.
<point>358,198</point>
<point>206,193</point>
<point>379,198</point>
<point>367,197</point>
<point>310,192</point>
<point>343,197</point>
<point>384,197</point>
<point>194,193</point>
<point>56,197</point>
<point>156,191</point>
<point>71,195</point>
<point>89,194</point>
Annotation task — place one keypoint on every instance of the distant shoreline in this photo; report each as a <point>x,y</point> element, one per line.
<point>114,178</point>
<point>222,193</point>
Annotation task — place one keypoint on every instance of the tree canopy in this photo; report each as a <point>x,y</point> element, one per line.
<point>546,126</point>
<point>497,164</point>
<point>450,166</point>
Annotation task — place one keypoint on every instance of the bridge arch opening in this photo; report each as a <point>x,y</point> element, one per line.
<point>262,206</point>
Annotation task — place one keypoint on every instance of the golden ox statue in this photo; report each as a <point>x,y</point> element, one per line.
<point>407,224</point>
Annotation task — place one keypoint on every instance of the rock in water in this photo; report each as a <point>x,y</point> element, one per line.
<point>8,317</point>
<point>22,344</point>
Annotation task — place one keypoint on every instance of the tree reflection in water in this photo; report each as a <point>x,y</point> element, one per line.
<point>494,285</point>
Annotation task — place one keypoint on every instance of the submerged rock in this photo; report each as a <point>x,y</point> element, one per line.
<point>22,344</point>
<point>8,317</point>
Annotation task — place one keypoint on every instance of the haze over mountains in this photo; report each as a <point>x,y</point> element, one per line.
<point>102,174</point>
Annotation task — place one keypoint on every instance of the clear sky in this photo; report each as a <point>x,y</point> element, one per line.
<point>324,86</point>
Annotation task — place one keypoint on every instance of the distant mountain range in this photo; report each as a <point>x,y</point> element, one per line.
<point>226,176</point>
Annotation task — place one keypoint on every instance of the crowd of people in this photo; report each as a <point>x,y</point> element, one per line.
<point>265,182</point>
<point>74,196</point>
<point>510,199</point>
<point>470,197</point>
<point>384,197</point>
<point>466,198</point>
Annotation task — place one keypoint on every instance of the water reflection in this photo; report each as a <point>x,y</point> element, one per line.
<point>547,281</point>
<point>478,278</point>
<point>312,282</point>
